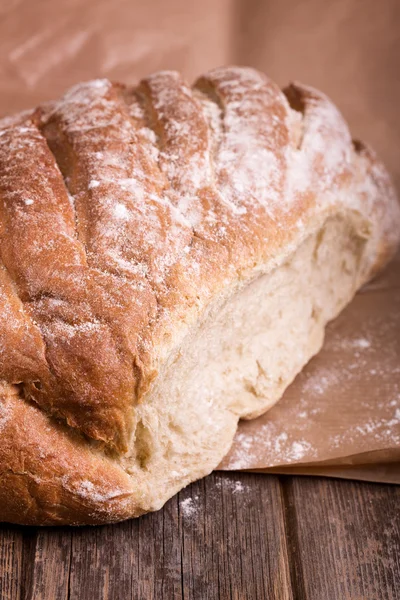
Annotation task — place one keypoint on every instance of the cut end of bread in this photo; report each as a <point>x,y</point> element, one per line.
<point>238,360</point>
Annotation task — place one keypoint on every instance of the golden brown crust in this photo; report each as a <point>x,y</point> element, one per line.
<point>123,212</point>
<point>50,475</point>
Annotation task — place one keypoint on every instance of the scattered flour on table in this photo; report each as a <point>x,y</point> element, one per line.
<point>276,448</point>
<point>384,433</point>
<point>361,343</point>
<point>188,506</point>
<point>321,382</point>
<point>237,487</point>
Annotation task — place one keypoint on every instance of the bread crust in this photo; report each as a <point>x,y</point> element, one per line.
<point>125,211</point>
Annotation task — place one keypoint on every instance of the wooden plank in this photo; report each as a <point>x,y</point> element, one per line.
<point>234,543</point>
<point>46,566</point>
<point>102,561</point>
<point>344,539</point>
<point>28,562</point>
<point>11,547</point>
<point>34,562</point>
<point>222,537</point>
<point>161,563</point>
<point>136,559</point>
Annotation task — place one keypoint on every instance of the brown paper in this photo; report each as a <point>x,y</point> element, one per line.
<point>378,473</point>
<point>48,45</point>
<point>340,417</point>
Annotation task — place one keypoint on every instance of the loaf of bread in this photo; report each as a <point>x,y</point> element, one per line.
<point>170,256</point>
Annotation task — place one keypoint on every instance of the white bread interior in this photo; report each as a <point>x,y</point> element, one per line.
<point>238,361</point>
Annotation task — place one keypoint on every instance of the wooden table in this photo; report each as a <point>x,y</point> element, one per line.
<point>231,535</point>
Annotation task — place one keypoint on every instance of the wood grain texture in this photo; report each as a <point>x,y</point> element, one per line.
<point>233,539</point>
<point>344,539</point>
<point>49,564</point>
<point>232,536</point>
<point>11,550</point>
<point>216,539</point>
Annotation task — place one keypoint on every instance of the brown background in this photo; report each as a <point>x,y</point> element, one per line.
<point>348,48</point>
<point>48,45</point>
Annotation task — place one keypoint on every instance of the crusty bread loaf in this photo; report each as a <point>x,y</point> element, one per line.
<point>170,257</point>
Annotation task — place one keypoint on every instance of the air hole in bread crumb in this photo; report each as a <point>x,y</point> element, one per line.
<point>143,444</point>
